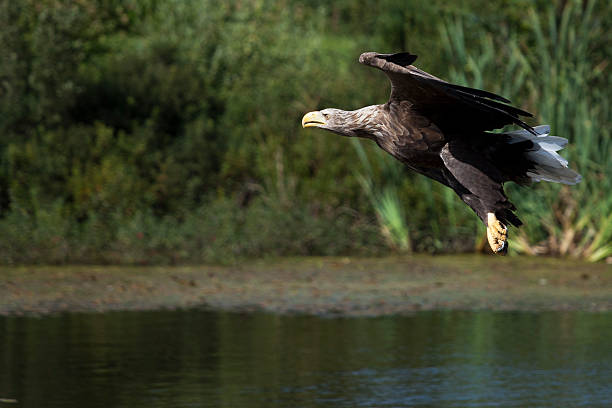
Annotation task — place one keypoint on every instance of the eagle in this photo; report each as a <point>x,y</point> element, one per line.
<point>443,131</point>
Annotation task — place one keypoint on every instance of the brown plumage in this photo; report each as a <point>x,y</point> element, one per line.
<point>440,129</point>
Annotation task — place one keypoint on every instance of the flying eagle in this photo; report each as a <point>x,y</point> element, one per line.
<point>441,129</point>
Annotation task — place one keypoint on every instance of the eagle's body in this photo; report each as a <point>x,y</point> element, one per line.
<point>440,130</point>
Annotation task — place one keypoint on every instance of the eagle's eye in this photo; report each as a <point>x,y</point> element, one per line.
<point>326,115</point>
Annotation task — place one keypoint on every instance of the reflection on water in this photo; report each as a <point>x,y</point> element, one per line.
<point>212,359</point>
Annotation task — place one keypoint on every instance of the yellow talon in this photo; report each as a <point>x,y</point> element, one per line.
<point>497,234</point>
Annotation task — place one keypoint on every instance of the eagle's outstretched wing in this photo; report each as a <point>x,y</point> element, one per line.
<point>453,108</point>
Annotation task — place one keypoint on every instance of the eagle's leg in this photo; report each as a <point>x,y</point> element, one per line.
<point>479,183</point>
<point>497,234</point>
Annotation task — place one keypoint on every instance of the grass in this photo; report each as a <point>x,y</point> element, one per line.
<point>219,232</point>
<point>384,198</point>
<point>570,92</point>
<point>567,88</point>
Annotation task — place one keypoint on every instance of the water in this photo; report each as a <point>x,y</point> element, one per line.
<point>212,359</point>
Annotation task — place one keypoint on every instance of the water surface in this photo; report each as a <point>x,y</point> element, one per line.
<point>218,359</point>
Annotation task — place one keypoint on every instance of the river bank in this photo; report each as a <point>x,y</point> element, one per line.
<point>327,286</point>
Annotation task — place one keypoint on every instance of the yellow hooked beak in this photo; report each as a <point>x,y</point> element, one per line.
<point>313,119</point>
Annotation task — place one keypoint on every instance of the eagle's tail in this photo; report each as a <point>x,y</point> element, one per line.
<point>543,163</point>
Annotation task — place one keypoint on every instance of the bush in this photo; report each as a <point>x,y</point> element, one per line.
<point>169,131</point>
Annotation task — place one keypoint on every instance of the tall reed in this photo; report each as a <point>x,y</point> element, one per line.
<point>384,197</point>
<point>562,81</point>
<point>565,85</point>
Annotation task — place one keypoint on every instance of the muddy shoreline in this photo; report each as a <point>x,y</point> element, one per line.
<point>324,286</point>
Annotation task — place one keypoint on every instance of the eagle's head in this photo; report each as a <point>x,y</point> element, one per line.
<point>334,120</point>
<point>364,122</point>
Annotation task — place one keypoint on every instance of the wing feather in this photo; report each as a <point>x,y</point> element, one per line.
<point>451,107</point>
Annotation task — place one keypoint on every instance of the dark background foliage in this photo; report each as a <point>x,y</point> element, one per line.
<point>150,131</point>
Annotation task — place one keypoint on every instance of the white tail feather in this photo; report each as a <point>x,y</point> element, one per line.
<point>549,166</point>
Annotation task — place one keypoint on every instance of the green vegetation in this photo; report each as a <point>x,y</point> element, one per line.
<point>567,79</point>
<point>150,131</point>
